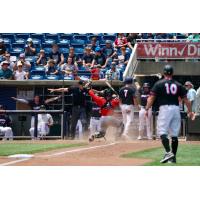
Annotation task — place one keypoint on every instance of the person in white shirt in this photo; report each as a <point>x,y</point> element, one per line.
<point>20,74</point>
<point>113,73</point>
<point>191,94</point>
<point>45,121</point>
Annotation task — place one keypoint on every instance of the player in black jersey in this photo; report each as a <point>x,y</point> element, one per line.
<point>143,120</point>
<point>167,92</point>
<point>127,101</point>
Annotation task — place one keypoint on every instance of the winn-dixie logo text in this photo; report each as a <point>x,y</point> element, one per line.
<point>168,50</point>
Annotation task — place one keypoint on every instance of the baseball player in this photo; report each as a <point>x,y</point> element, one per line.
<point>5,123</point>
<point>107,105</point>
<point>45,121</point>
<point>143,120</point>
<point>127,100</point>
<point>95,116</point>
<point>167,92</point>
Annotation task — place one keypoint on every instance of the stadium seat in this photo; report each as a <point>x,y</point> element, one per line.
<point>109,37</point>
<point>31,58</point>
<point>7,41</point>
<point>99,37</point>
<point>49,41</point>
<point>78,50</point>
<point>64,50</point>
<point>38,72</point>
<point>24,36</point>
<point>51,36</point>
<point>20,41</point>
<point>63,45</point>
<point>69,78</point>
<point>8,47</point>
<point>78,46</point>
<point>38,36</point>
<point>36,77</point>
<point>64,41</point>
<point>52,77</point>
<point>16,52</point>
<point>10,36</point>
<point>46,45</point>
<point>47,50</point>
<point>36,41</point>
<point>84,73</point>
<point>81,37</point>
<point>66,36</point>
<point>18,45</point>
<point>39,68</point>
<point>77,42</point>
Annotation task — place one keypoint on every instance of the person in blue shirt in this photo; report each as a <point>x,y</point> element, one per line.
<point>5,72</point>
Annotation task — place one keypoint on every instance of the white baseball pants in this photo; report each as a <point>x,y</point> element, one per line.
<point>95,125</point>
<point>7,132</point>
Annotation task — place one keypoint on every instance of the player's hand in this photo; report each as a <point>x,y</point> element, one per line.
<point>50,90</point>
<point>192,116</point>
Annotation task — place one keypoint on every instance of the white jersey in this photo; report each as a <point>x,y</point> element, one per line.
<point>19,75</point>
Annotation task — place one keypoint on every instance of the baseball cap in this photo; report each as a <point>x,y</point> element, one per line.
<point>29,40</point>
<point>97,49</point>
<point>108,42</point>
<point>22,55</point>
<point>5,62</point>
<point>187,83</point>
<point>19,63</point>
<point>42,107</point>
<point>113,63</point>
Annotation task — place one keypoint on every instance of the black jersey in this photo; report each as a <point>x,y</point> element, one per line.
<point>168,92</point>
<point>95,110</point>
<point>126,95</point>
<point>35,106</point>
<point>79,96</point>
<point>143,97</point>
<point>5,120</point>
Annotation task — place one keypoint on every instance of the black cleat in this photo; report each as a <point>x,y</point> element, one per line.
<point>167,157</point>
<point>172,160</point>
<point>91,138</point>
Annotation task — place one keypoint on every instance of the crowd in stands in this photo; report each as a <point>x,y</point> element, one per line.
<point>64,56</point>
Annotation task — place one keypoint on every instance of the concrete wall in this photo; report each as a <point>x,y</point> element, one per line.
<point>180,67</point>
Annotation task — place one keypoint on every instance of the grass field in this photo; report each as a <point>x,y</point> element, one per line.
<point>7,149</point>
<point>188,155</point>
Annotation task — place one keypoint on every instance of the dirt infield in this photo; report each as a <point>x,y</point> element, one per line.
<point>98,153</point>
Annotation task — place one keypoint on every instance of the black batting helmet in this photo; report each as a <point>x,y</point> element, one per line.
<point>146,85</point>
<point>107,93</point>
<point>128,80</point>
<point>168,70</point>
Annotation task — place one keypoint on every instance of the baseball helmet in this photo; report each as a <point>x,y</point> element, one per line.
<point>42,107</point>
<point>146,85</point>
<point>107,93</point>
<point>168,70</point>
<point>128,80</point>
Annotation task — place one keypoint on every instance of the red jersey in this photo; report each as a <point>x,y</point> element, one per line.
<point>121,41</point>
<point>95,73</point>
<point>107,107</point>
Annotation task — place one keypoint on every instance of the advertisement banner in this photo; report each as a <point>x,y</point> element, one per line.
<point>168,50</point>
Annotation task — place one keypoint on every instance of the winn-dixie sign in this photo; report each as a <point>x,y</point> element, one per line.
<point>168,50</point>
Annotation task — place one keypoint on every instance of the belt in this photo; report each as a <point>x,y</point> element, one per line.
<point>97,118</point>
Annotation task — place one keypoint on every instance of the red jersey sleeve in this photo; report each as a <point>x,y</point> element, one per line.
<point>99,100</point>
<point>115,102</point>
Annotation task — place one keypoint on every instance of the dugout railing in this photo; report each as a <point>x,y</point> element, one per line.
<point>61,122</point>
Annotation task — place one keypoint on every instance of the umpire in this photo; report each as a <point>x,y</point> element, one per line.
<point>78,93</point>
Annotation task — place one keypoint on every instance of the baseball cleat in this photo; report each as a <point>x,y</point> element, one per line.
<point>139,137</point>
<point>91,138</point>
<point>167,157</point>
<point>172,160</point>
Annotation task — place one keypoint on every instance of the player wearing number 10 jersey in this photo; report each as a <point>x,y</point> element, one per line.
<point>167,92</point>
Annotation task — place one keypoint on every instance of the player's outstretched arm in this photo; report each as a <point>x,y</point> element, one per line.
<point>20,100</point>
<point>52,99</point>
<point>191,114</point>
<point>57,90</point>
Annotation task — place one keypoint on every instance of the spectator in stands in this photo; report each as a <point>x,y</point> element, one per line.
<point>131,39</point>
<point>120,41</point>
<point>5,72</point>
<point>108,50</point>
<point>95,72</point>
<point>51,68</point>
<point>11,63</point>
<point>80,65</point>
<point>99,58</point>
<point>19,74</point>
<point>113,73</point>
<point>56,55</point>
<point>69,69</point>
<point>26,64</point>
<point>124,54</point>
<point>30,49</point>
<point>93,44</point>
<point>87,58</point>
<point>2,47</point>
<point>42,59</point>
<point>194,37</point>
<point>72,55</point>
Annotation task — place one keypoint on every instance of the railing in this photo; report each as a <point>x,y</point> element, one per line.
<point>34,113</point>
<point>161,40</point>
<point>132,64</point>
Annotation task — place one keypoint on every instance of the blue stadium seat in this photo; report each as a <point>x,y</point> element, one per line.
<point>78,46</point>
<point>47,50</point>
<point>99,37</point>
<point>64,50</point>
<point>36,41</point>
<point>16,52</point>
<point>31,58</point>
<point>51,36</point>
<point>38,72</point>
<point>77,42</point>
<point>24,36</point>
<point>84,74</point>
<point>20,41</point>
<point>36,77</point>
<point>109,37</point>
<point>66,36</point>
<point>49,41</point>
<point>8,47</point>
<point>64,41</point>
<point>52,77</point>
<point>39,68</point>
<point>81,37</point>
<point>7,41</point>
<point>63,45</point>
<point>69,78</point>
<point>46,45</point>
<point>18,45</point>
<point>39,36</point>
<point>10,36</point>
<point>78,50</point>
